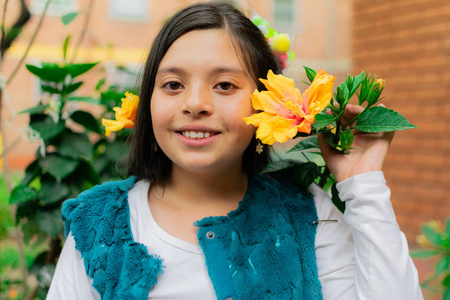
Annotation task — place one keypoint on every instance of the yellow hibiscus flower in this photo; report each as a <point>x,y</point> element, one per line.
<point>284,110</point>
<point>125,115</point>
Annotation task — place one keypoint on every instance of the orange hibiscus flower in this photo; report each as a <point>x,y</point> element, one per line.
<point>125,115</point>
<point>284,110</point>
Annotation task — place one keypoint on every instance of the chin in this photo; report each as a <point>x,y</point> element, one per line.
<point>204,167</point>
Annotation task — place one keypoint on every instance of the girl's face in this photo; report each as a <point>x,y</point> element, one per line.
<point>202,92</point>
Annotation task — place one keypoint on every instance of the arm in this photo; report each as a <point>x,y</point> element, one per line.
<point>70,280</point>
<point>384,267</point>
<point>377,265</point>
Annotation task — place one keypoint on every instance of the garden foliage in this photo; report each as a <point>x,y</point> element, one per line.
<point>74,155</point>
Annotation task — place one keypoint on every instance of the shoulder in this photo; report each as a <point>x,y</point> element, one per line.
<point>284,192</point>
<point>90,207</point>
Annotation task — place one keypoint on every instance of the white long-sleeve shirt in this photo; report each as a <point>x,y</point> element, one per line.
<point>363,255</point>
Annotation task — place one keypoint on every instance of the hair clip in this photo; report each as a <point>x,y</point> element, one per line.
<point>279,42</point>
<point>323,221</point>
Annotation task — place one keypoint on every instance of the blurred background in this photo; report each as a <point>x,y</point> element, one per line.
<point>405,42</point>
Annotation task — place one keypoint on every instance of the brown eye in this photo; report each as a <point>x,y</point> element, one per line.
<point>226,86</point>
<point>173,85</point>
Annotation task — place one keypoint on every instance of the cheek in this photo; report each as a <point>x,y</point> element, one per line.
<point>159,115</point>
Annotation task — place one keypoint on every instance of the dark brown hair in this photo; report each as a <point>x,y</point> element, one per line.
<point>253,49</point>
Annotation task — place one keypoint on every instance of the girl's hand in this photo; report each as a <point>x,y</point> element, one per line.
<point>368,153</point>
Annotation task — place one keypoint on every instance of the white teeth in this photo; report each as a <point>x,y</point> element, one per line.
<point>196,135</point>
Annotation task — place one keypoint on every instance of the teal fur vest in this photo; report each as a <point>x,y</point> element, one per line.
<point>262,250</point>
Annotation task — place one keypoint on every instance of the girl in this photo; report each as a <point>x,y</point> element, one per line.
<point>196,221</point>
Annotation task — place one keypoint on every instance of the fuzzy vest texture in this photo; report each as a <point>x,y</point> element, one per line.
<point>262,250</point>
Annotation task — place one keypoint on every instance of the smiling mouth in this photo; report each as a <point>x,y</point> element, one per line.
<point>197,134</point>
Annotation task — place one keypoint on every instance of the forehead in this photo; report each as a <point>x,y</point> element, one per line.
<point>200,49</point>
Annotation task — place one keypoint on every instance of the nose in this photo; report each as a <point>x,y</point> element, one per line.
<point>198,102</point>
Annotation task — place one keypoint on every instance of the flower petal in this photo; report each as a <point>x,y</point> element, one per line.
<point>268,102</point>
<point>305,125</point>
<point>282,87</point>
<point>256,119</point>
<point>112,125</point>
<point>276,129</point>
<point>317,97</point>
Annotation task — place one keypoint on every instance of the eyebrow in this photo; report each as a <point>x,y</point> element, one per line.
<point>215,71</point>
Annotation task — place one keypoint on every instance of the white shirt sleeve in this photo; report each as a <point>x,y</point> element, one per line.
<point>363,255</point>
<point>70,281</point>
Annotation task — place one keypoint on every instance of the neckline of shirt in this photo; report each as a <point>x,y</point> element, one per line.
<point>159,232</point>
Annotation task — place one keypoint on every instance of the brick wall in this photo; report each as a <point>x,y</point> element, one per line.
<point>407,42</point>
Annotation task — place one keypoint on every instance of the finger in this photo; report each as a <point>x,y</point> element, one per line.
<point>350,112</point>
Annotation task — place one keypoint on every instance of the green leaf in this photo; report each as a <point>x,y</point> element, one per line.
<point>49,89</point>
<point>31,229</point>
<point>382,119</point>
<point>44,124</point>
<point>101,163</point>
<point>357,80</point>
<point>99,84</point>
<point>87,120</point>
<point>40,108</point>
<point>38,262</point>
<point>31,172</point>
<point>446,294</point>
<point>77,69</point>
<point>423,253</point>
<point>306,144</point>
<point>116,150</point>
<point>278,165</point>
<point>24,210</point>
<point>341,95</point>
<point>349,87</point>
<point>447,227</point>
<point>343,92</point>
<point>346,139</point>
<point>322,120</point>
<point>49,220</point>
<point>336,199</point>
<point>49,72</point>
<point>433,236</point>
<point>111,99</point>
<point>442,265</point>
<point>68,18</point>
<point>21,194</point>
<point>66,46</point>
<point>305,173</point>
<point>72,88</point>
<point>57,166</point>
<point>310,73</point>
<point>86,99</point>
<point>75,145</point>
<point>86,173</point>
<point>330,138</point>
<point>446,281</point>
<point>370,90</point>
<point>53,191</point>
